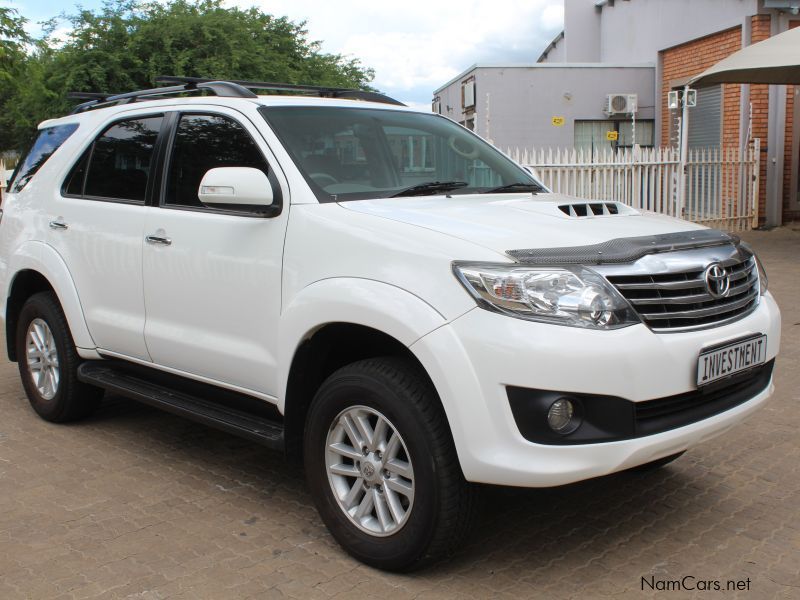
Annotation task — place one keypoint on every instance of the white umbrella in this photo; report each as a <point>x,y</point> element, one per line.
<point>775,60</point>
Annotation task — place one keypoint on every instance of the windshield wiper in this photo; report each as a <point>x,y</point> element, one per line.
<point>423,189</point>
<point>518,186</point>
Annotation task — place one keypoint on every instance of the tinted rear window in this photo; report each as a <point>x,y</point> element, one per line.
<point>121,159</point>
<point>47,142</point>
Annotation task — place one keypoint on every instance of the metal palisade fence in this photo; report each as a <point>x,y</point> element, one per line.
<point>720,185</point>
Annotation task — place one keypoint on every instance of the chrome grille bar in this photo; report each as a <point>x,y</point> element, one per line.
<point>698,312</point>
<point>680,301</point>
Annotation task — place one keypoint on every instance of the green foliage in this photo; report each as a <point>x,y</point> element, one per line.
<point>127,43</point>
<point>12,40</point>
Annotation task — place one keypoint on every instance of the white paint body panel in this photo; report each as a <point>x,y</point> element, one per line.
<point>473,358</point>
<point>235,185</point>
<point>213,295</point>
<point>233,297</point>
<point>102,247</point>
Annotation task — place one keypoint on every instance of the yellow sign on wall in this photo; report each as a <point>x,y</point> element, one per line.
<point>612,136</point>
<point>558,121</point>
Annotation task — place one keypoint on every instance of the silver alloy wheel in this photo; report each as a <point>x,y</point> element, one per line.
<point>42,356</point>
<point>370,471</point>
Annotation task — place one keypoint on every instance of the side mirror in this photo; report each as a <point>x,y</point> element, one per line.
<point>235,188</point>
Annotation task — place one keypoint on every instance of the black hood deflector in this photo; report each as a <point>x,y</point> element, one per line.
<point>624,250</point>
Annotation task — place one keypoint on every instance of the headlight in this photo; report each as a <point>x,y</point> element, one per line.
<point>569,295</point>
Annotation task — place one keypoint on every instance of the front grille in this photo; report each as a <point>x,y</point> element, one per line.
<point>680,301</point>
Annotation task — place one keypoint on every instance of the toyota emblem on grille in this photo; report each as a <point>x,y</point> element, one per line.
<point>718,282</point>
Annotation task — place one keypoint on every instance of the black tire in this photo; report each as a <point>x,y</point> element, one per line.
<point>444,503</point>
<point>72,399</point>
<point>656,464</point>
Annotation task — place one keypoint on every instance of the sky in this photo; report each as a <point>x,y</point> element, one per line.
<point>414,46</point>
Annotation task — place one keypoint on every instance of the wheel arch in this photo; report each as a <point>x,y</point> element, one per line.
<point>335,322</point>
<point>327,349</point>
<point>36,267</point>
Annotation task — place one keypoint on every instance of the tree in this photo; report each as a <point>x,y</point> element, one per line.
<point>12,41</point>
<point>13,59</point>
<point>127,43</point>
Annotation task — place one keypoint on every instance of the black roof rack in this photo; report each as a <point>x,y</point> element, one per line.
<point>316,90</point>
<point>227,89</point>
<point>219,88</point>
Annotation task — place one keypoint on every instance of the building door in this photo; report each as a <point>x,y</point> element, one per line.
<point>705,119</point>
<point>705,132</point>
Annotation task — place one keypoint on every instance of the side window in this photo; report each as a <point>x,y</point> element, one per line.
<point>204,142</point>
<point>77,176</point>
<point>117,165</point>
<point>47,142</point>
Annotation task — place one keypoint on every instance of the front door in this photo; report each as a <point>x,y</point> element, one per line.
<point>97,224</point>
<point>212,278</point>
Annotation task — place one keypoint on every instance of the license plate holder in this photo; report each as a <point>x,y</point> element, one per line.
<point>731,358</point>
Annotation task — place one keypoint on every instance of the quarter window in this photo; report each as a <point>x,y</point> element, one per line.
<point>47,142</point>
<point>119,162</point>
<point>204,142</point>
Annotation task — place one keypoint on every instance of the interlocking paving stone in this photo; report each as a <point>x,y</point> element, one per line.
<point>135,503</point>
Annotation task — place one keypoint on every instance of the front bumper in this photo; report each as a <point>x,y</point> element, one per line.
<point>475,358</point>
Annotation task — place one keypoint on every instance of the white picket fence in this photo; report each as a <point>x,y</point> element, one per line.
<point>721,185</point>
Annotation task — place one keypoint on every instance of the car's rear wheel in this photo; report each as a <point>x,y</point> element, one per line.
<point>48,362</point>
<point>382,467</point>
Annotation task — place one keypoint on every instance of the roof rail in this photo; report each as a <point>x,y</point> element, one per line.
<point>225,89</point>
<point>218,88</point>
<point>322,91</point>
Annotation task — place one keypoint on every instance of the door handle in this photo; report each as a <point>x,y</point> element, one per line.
<point>157,239</point>
<point>58,224</point>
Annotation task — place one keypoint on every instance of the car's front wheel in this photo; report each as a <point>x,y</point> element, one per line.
<point>382,467</point>
<point>48,362</point>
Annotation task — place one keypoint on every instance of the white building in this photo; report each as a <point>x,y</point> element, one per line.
<point>644,48</point>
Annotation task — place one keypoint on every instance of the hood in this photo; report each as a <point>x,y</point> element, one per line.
<point>503,222</point>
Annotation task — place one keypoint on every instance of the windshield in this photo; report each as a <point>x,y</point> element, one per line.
<point>358,153</point>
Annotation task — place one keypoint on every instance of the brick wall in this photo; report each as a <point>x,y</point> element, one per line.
<point>693,58</point>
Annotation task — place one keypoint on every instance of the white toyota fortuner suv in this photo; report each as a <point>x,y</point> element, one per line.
<point>376,290</point>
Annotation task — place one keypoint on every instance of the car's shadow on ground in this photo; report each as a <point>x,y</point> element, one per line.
<point>529,530</point>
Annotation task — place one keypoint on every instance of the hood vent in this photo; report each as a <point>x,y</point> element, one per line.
<point>595,209</point>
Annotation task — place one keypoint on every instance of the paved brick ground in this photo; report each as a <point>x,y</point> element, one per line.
<point>136,503</point>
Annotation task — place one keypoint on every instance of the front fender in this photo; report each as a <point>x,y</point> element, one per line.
<point>39,257</point>
<point>381,306</point>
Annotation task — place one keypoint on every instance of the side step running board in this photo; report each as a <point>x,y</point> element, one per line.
<point>202,410</point>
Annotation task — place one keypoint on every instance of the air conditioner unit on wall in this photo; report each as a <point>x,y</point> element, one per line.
<point>621,104</point>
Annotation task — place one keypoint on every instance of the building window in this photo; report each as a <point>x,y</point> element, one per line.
<point>593,135</point>
<point>468,93</point>
<point>436,105</point>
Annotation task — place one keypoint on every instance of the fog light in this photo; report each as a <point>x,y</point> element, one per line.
<point>562,416</point>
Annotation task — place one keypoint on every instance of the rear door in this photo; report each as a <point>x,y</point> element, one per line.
<point>212,278</point>
<point>96,224</point>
